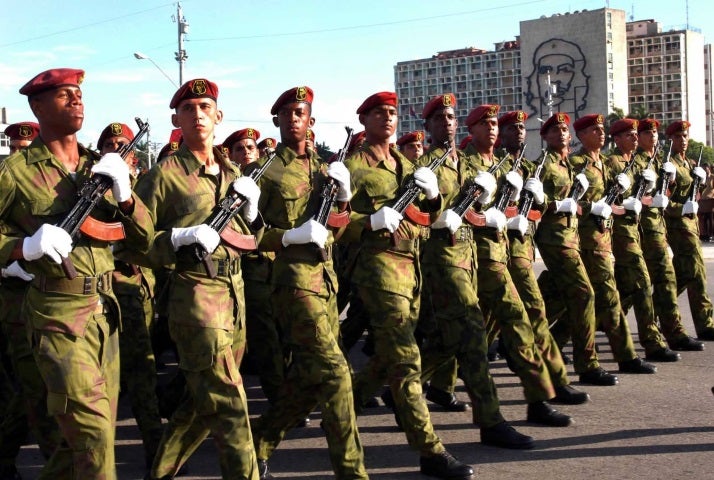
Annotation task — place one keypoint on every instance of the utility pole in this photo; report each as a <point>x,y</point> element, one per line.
<point>181,55</point>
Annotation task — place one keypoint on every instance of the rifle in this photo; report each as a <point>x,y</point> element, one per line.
<point>90,193</point>
<point>524,207</point>
<point>641,183</point>
<point>221,217</point>
<point>665,177</point>
<point>470,193</point>
<point>329,195</point>
<point>696,181</point>
<point>507,189</point>
<point>612,194</point>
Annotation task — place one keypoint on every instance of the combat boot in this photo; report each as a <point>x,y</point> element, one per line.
<point>444,465</point>
<point>598,376</point>
<point>264,471</point>
<point>663,355</point>
<point>543,414</point>
<point>706,334</point>
<point>446,399</point>
<point>569,395</point>
<point>636,365</point>
<point>505,436</point>
<point>686,344</point>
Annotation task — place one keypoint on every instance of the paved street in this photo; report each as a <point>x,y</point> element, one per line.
<point>656,427</point>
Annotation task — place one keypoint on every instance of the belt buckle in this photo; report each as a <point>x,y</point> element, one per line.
<point>87,286</point>
<point>221,268</point>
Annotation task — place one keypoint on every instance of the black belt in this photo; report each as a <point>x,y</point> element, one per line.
<point>224,268</point>
<point>462,234</point>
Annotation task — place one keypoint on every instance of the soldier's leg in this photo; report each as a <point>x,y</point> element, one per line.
<point>555,308</point>
<point>355,323</point>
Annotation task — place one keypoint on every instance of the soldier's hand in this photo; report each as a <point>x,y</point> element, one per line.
<point>341,175</point>
<point>426,180</point>
<point>448,219</point>
<point>516,181</point>
<point>701,173</point>
<point>488,184</point>
<point>670,169</point>
<point>385,217</point>
<point>632,204</point>
<point>535,186</point>
<point>650,177</point>
<point>690,207</point>
<point>584,183</point>
<point>114,167</point>
<point>495,218</point>
<point>202,234</point>
<point>247,188</point>
<point>566,205</point>
<point>623,181</point>
<point>601,209</point>
<point>660,201</point>
<point>16,271</point>
<point>311,231</point>
<point>518,223</point>
<point>47,240</point>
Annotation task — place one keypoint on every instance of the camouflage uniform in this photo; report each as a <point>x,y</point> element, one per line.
<point>73,324</point>
<point>388,279</point>
<point>450,278</point>
<point>203,316</point>
<point>502,306</point>
<point>655,250</point>
<point>688,260</point>
<point>305,288</point>
<point>595,252</point>
<point>559,246</point>
<point>633,281</point>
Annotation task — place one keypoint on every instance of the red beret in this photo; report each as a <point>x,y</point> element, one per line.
<point>22,131</point>
<point>465,142</point>
<point>197,88</point>
<point>175,139</point>
<point>680,126</point>
<point>557,118</point>
<point>115,130</point>
<point>588,121</point>
<point>415,136</point>
<point>268,142</point>
<point>442,101</point>
<point>510,118</point>
<point>623,125</point>
<point>294,95</point>
<point>481,112</point>
<point>54,78</point>
<point>240,135</point>
<point>648,124</point>
<point>380,98</point>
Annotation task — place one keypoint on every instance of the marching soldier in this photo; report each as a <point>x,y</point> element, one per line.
<point>242,146</point>
<point>264,145</point>
<point>411,144</point>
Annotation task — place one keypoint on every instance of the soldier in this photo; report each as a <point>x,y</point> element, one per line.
<point>242,147</point>
<point>265,144</point>
<point>74,322</point>
<point>596,240</point>
<point>26,409</point>
<point>449,266</point>
<point>385,277</point>
<point>559,247</point>
<point>203,312</point>
<point>411,144</point>
<point>512,133</point>
<point>134,287</point>
<point>304,284</point>
<point>683,232</point>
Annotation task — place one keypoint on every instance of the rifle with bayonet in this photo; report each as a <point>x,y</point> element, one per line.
<point>612,194</point>
<point>470,193</point>
<point>527,197</point>
<point>665,177</point>
<point>504,196</point>
<point>641,183</point>
<point>696,181</point>
<point>89,195</point>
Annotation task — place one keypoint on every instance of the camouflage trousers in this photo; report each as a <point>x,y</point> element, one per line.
<point>664,284</point>
<point>81,375</point>
<point>318,376</point>
<point>138,366</point>
<point>460,334</point>
<point>633,284</point>
<point>521,270</point>
<point>571,286</point>
<point>397,362</point>
<point>608,310</point>
<point>691,275</point>
<point>27,410</point>
<point>214,402</point>
<point>503,311</point>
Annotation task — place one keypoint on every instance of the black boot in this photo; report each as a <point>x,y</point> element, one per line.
<point>636,365</point>
<point>263,470</point>
<point>446,399</point>
<point>505,436</point>
<point>444,465</point>
<point>569,395</point>
<point>543,414</point>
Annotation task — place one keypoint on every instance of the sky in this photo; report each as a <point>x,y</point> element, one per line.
<point>255,50</point>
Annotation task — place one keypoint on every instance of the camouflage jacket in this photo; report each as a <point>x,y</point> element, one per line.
<point>35,188</point>
<point>597,173</point>
<point>626,225</point>
<point>680,192</point>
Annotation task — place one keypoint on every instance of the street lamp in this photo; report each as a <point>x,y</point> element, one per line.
<point>141,56</point>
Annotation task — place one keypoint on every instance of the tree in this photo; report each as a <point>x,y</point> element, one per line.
<point>324,151</point>
<point>693,149</point>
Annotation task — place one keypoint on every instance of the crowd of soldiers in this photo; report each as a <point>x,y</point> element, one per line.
<point>430,252</point>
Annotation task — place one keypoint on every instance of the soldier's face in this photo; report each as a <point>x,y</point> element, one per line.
<point>16,145</point>
<point>679,142</point>
<point>592,137</point>
<point>513,136</point>
<point>380,123</point>
<point>484,132</point>
<point>293,120</point>
<point>413,150</point>
<point>244,151</point>
<point>557,136</point>
<point>626,141</point>
<point>61,109</point>
<point>197,118</point>
<point>442,125</point>
<point>112,144</point>
<point>648,139</point>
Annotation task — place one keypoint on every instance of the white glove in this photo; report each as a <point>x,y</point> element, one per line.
<point>385,217</point>
<point>582,180</point>
<point>339,172</point>
<point>495,218</point>
<point>202,234</point>
<point>632,204</point>
<point>701,173</point>
<point>426,180</point>
<point>566,205</point>
<point>448,219</point>
<point>670,169</point>
<point>114,167</point>
<point>516,181</point>
<point>690,208</point>
<point>48,240</point>
<point>601,209</point>
<point>535,186</point>
<point>650,177</point>
<point>623,181</point>
<point>660,201</point>
<point>311,231</point>
<point>488,183</point>
<point>247,188</point>
<point>519,223</point>
<point>15,270</point>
